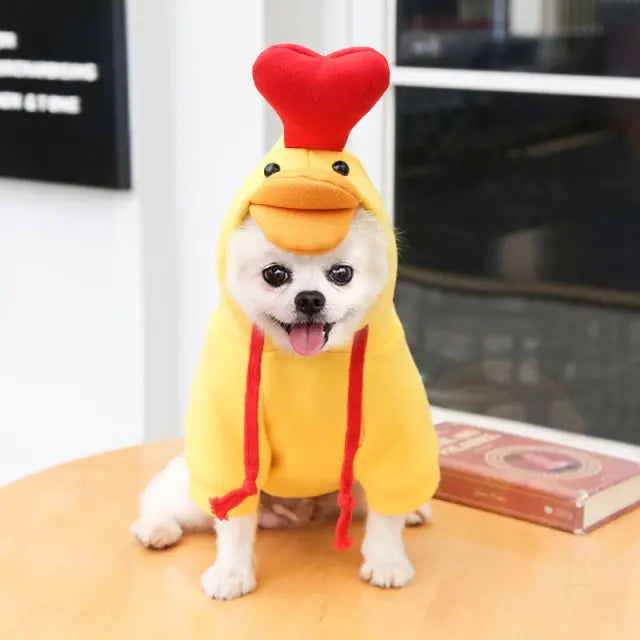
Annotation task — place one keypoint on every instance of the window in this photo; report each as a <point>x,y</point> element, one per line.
<point>512,161</point>
<point>559,36</point>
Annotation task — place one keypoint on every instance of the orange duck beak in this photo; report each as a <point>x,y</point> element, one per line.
<point>306,211</point>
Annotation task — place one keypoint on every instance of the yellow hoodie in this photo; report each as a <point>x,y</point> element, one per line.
<point>302,404</point>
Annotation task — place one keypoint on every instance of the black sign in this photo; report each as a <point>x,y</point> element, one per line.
<point>63,92</point>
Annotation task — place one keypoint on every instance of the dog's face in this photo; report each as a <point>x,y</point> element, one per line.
<point>308,303</point>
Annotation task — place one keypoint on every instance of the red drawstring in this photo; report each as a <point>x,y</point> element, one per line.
<point>220,507</point>
<point>352,438</point>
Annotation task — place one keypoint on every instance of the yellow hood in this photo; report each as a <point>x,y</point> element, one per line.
<point>381,315</point>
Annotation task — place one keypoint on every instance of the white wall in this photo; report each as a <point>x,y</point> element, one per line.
<point>70,351</point>
<point>217,138</point>
<point>151,53</point>
<point>72,311</point>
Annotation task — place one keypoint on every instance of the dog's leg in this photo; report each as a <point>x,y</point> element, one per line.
<point>385,560</point>
<point>166,510</point>
<point>233,573</point>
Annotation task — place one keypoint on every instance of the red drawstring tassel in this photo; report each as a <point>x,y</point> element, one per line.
<point>352,438</point>
<point>220,507</point>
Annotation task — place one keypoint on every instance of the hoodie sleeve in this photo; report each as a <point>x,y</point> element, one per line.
<point>397,462</point>
<point>214,447</point>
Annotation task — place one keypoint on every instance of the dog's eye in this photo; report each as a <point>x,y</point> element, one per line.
<point>340,274</point>
<point>276,275</point>
<point>271,168</point>
<point>341,167</point>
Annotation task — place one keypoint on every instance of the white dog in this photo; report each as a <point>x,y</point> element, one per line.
<point>265,282</point>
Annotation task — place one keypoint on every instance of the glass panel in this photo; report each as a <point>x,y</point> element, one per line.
<point>520,275</point>
<point>530,189</point>
<point>589,37</point>
<point>570,367</point>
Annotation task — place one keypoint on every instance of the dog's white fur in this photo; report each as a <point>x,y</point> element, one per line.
<point>166,510</point>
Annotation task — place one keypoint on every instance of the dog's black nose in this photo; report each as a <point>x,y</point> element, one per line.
<point>310,302</point>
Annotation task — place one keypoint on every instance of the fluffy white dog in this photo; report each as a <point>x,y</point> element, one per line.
<point>306,304</point>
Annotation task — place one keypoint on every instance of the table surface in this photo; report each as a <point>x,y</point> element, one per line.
<point>70,569</point>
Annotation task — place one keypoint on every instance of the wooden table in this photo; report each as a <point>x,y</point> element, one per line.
<point>70,569</point>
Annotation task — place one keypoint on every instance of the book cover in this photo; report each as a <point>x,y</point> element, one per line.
<point>534,480</point>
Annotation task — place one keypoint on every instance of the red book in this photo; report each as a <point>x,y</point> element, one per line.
<point>533,480</point>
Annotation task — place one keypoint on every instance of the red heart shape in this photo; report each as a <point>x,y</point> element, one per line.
<point>320,98</point>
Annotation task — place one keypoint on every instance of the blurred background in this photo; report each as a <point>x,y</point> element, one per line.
<point>507,150</point>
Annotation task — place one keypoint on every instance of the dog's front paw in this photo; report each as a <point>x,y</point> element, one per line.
<point>156,534</point>
<point>226,583</point>
<point>387,573</point>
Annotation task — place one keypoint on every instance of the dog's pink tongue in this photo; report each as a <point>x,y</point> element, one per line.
<point>307,339</point>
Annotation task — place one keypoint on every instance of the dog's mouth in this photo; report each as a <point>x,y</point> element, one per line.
<point>307,338</point>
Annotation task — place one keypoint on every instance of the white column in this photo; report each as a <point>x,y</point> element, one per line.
<point>218,132</point>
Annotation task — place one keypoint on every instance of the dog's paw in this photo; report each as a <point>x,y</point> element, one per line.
<point>419,516</point>
<point>387,574</point>
<point>226,583</point>
<point>155,534</point>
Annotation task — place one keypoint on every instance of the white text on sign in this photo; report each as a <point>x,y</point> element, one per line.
<point>40,103</point>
